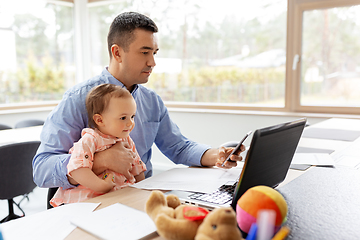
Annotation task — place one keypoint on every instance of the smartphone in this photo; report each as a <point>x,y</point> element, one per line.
<point>236,149</point>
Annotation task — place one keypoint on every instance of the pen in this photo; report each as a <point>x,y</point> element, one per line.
<point>282,233</point>
<point>252,232</point>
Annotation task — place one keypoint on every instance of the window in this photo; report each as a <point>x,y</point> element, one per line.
<point>274,55</point>
<point>37,60</point>
<point>330,74</point>
<point>328,71</point>
<point>231,53</point>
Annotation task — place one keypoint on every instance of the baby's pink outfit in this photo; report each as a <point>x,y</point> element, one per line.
<point>82,155</point>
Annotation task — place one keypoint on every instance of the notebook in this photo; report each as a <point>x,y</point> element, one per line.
<point>266,163</point>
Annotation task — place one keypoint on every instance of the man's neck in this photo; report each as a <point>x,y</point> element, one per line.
<point>112,70</point>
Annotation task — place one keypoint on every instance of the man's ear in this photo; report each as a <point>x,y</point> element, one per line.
<point>98,120</point>
<point>116,51</point>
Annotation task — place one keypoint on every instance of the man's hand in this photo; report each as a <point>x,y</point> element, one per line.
<point>216,157</point>
<point>224,153</point>
<point>118,158</point>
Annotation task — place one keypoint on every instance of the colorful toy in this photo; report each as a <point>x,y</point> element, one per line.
<point>175,221</point>
<point>256,199</point>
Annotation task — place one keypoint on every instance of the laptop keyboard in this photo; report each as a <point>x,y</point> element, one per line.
<point>221,196</point>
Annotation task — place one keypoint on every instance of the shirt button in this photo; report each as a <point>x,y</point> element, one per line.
<point>86,156</point>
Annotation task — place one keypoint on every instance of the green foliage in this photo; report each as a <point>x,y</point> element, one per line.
<point>40,55</point>
<point>222,85</point>
<point>44,79</point>
<point>35,82</point>
<point>208,76</point>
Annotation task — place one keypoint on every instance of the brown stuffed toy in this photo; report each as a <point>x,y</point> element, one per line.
<point>175,221</point>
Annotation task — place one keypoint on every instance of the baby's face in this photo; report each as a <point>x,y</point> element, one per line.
<point>119,117</point>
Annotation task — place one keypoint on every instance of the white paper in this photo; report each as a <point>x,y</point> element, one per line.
<point>204,180</point>
<point>316,159</point>
<point>50,224</point>
<point>116,222</point>
<point>349,161</point>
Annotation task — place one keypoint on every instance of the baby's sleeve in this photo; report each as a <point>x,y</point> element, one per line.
<point>82,153</point>
<point>138,167</point>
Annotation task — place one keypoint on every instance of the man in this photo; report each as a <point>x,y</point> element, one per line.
<point>132,44</point>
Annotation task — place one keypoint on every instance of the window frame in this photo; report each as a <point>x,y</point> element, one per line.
<point>296,8</point>
<point>295,11</point>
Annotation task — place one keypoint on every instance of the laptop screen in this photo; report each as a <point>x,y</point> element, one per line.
<point>269,156</point>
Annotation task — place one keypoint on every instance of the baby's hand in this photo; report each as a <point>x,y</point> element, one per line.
<point>109,179</point>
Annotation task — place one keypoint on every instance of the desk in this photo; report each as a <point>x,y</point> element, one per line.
<point>333,123</point>
<point>136,198</point>
<point>20,135</point>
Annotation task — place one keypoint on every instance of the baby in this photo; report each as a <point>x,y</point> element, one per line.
<point>111,111</point>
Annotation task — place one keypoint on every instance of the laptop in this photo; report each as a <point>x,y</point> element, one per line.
<point>266,163</point>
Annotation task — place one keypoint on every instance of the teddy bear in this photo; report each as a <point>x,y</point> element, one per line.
<point>176,221</point>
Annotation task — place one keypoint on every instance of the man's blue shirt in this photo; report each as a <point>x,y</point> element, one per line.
<point>63,127</point>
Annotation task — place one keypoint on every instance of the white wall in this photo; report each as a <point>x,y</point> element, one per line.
<point>215,129</point>
<point>205,127</point>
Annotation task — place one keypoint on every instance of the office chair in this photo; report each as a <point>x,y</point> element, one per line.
<point>29,123</point>
<point>51,193</point>
<point>16,173</point>
<point>4,127</point>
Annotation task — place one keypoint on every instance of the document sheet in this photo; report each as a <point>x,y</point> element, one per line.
<point>204,180</point>
<point>318,159</point>
<point>332,134</point>
<point>50,224</point>
<point>116,221</point>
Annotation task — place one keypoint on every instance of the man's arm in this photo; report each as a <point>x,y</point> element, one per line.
<point>49,170</point>
<point>176,146</point>
<point>50,162</point>
<point>61,129</point>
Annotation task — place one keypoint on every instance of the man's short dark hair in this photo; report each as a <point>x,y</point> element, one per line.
<point>121,30</point>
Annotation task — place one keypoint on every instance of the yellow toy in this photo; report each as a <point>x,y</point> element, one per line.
<point>186,222</point>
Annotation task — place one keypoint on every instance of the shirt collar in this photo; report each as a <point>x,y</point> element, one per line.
<point>113,80</point>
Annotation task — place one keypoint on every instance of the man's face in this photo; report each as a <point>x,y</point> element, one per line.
<point>138,62</point>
